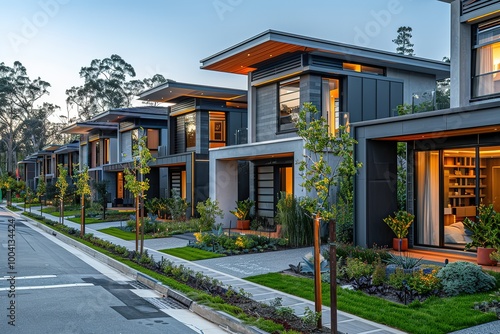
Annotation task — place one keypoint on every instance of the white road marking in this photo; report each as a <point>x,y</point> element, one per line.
<point>27,277</point>
<point>49,286</point>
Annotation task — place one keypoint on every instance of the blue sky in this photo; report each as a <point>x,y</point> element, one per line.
<point>55,38</point>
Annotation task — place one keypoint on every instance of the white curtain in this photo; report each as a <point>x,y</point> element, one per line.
<point>485,65</point>
<point>428,198</point>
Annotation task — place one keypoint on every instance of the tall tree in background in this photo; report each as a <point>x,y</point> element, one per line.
<point>107,85</point>
<point>443,91</point>
<point>404,46</point>
<point>18,97</point>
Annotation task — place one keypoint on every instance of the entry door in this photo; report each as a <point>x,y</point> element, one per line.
<point>428,208</point>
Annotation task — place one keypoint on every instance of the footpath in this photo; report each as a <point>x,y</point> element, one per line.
<point>232,270</point>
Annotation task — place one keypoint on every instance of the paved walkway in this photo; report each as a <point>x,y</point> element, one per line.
<point>231,271</point>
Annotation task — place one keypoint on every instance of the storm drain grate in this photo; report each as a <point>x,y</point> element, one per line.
<point>166,303</point>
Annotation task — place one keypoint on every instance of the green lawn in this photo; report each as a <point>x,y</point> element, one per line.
<point>434,316</point>
<point>88,220</point>
<point>119,233</point>
<point>190,253</point>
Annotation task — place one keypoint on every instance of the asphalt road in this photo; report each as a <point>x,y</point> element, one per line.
<point>49,287</point>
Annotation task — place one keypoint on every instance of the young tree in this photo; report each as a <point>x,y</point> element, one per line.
<point>8,183</point>
<point>404,46</point>
<point>82,189</point>
<point>328,161</point>
<point>41,189</point>
<point>137,184</point>
<point>102,190</point>
<point>62,187</point>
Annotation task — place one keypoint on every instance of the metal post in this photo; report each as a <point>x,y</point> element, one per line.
<point>317,271</point>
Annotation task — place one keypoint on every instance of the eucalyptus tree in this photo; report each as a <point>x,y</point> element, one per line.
<point>107,84</point>
<point>19,103</point>
<point>402,41</point>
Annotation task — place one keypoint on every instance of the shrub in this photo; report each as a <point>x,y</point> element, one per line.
<point>177,206</point>
<point>378,276</point>
<point>356,268</point>
<point>368,255</point>
<point>425,284</point>
<point>296,225</point>
<point>464,277</point>
<point>209,211</point>
<point>403,261</point>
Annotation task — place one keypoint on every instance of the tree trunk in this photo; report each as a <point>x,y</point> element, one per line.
<point>317,271</point>
<point>137,223</point>
<point>82,218</point>
<point>142,222</point>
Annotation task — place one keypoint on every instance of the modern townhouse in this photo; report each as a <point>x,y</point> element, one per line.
<point>200,118</point>
<point>347,83</point>
<point>106,143</point>
<point>453,154</point>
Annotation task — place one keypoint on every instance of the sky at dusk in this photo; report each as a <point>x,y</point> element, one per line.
<point>53,39</point>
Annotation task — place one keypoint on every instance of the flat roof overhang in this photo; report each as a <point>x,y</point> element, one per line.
<point>173,91</point>
<point>122,114</point>
<point>432,125</point>
<point>276,149</point>
<point>244,57</point>
<point>86,127</point>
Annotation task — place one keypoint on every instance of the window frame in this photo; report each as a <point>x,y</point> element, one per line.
<point>293,109</point>
<point>477,46</point>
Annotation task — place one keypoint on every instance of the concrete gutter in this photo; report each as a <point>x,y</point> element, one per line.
<point>224,320</point>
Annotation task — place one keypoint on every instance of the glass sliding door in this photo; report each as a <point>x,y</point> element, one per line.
<point>489,177</point>
<point>427,211</point>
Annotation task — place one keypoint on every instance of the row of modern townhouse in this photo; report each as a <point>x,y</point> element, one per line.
<point>230,144</point>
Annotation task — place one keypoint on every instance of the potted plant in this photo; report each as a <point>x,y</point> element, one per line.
<point>400,224</point>
<point>241,213</point>
<point>484,233</point>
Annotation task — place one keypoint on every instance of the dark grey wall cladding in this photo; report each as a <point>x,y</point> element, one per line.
<point>202,132</point>
<point>154,183</point>
<point>201,181</point>
<point>180,135</point>
<point>235,121</point>
<point>381,195</point>
<point>310,90</point>
<point>372,98</point>
<point>266,113</point>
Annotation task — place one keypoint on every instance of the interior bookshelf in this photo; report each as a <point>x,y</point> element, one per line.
<point>460,182</point>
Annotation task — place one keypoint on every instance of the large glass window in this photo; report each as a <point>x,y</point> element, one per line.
<point>289,103</point>
<point>330,105</point>
<point>190,124</point>
<point>469,180</point>
<point>217,136</point>
<point>153,139</point>
<point>486,79</point>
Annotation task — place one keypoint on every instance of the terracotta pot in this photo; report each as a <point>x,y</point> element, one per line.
<point>278,230</point>
<point>483,256</point>
<point>396,244</point>
<point>243,224</point>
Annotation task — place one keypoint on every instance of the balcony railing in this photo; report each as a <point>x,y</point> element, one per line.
<point>241,136</point>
